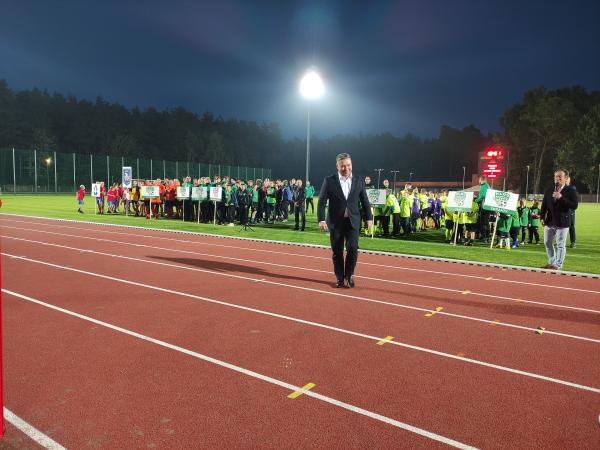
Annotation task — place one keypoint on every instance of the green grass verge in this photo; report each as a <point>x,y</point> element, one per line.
<point>584,258</point>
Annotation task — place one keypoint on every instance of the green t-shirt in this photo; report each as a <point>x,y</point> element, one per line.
<point>405,203</point>
<point>534,217</point>
<point>504,223</point>
<point>310,191</point>
<point>271,195</point>
<point>515,222</point>
<point>524,215</point>
<point>482,190</point>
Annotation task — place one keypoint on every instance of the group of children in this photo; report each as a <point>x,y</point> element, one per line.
<point>523,221</point>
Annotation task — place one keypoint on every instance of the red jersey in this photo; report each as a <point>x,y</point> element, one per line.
<point>80,194</point>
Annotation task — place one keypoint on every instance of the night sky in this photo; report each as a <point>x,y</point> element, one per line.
<point>388,66</point>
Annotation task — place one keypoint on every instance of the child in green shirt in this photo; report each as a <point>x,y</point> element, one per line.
<point>503,229</point>
<point>534,223</point>
<point>523,218</point>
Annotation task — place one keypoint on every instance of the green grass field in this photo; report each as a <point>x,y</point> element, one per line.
<point>584,258</point>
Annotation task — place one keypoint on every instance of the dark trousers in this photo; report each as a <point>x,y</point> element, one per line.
<point>309,201</point>
<point>572,228</point>
<point>285,205</point>
<point>300,215</point>
<point>484,224</point>
<point>533,232</point>
<point>243,214</point>
<point>385,225</point>
<point>405,221</point>
<point>523,233</point>
<point>340,235</point>
<point>395,224</point>
<point>268,211</point>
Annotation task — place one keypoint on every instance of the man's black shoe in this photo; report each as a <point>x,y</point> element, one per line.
<point>339,283</point>
<point>351,282</point>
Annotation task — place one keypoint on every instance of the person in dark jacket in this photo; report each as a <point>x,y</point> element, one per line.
<point>556,218</point>
<point>298,197</point>
<point>345,194</point>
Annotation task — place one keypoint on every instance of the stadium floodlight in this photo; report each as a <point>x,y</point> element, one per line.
<point>311,88</point>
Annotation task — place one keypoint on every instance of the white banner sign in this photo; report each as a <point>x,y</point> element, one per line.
<point>199,193</point>
<point>127,177</point>
<point>183,193</point>
<point>216,192</point>
<point>501,201</point>
<point>377,197</point>
<point>150,192</point>
<point>96,190</point>
<point>460,201</point>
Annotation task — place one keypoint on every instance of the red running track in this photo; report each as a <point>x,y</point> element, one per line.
<point>84,384</point>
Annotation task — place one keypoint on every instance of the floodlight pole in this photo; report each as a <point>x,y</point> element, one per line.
<point>378,175</point>
<point>395,172</point>
<point>307,143</point>
<point>598,184</point>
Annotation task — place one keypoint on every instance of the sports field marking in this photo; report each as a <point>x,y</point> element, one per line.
<point>98,229</point>
<point>437,310</point>
<point>33,433</point>
<point>385,339</point>
<point>279,265</point>
<point>250,373</point>
<point>466,292</point>
<point>495,322</point>
<point>292,286</point>
<point>315,324</point>
<point>307,387</point>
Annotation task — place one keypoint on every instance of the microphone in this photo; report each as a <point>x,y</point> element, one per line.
<point>556,189</point>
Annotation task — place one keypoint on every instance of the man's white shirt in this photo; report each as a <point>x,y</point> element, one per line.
<point>346,183</point>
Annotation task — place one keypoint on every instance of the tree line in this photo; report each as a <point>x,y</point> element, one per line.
<point>546,129</point>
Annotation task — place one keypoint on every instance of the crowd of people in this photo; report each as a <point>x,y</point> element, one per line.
<point>246,202</point>
<point>251,202</point>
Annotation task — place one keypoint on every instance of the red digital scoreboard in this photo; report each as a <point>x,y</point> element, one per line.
<point>491,162</point>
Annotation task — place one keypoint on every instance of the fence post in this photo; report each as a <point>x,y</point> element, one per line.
<point>14,173</point>
<point>188,169</point>
<point>108,169</point>
<point>177,169</point>
<point>151,169</point>
<point>55,180</point>
<point>91,171</point>
<point>35,169</point>
<point>199,174</point>
<point>164,169</point>
<point>138,168</point>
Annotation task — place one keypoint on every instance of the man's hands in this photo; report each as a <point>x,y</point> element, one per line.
<point>542,222</point>
<point>323,226</point>
<point>369,224</point>
<point>556,195</point>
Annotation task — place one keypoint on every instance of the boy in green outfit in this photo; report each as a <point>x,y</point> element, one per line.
<point>534,223</point>
<point>523,218</point>
<point>503,230</point>
<point>515,227</point>
<point>309,191</point>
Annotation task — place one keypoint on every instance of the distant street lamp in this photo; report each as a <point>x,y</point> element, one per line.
<point>311,88</point>
<point>48,161</point>
<point>464,174</point>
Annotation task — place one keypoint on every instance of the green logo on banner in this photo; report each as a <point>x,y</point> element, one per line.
<point>460,199</point>
<point>501,199</point>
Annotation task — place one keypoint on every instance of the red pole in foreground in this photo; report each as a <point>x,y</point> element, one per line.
<point>1,356</point>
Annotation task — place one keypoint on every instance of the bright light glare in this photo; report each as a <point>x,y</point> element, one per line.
<point>48,161</point>
<point>311,86</point>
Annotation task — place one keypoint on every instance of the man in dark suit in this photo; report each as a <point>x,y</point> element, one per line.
<point>346,194</point>
<point>555,216</point>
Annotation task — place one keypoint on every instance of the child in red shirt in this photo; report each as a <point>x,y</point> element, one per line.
<point>80,197</point>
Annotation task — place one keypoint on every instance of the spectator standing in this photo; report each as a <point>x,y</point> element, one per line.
<point>298,197</point>
<point>484,215</point>
<point>309,191</point>
<point>523,218</point>
<point>80,198</point>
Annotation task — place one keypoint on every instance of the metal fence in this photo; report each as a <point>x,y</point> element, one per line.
<point>50,171</point>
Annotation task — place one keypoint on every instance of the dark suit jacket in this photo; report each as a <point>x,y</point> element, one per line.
<point>556,213</point>
<point>331,191</point>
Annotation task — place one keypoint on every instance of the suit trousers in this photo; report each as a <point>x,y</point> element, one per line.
<point>340,235</point>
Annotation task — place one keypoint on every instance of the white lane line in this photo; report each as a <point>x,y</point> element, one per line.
<point>250,373</point>
<point>386,266</point>
<point>280,265</point>
<point>35,434</point>
<point>292,286</point>
<point>320,325</point>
